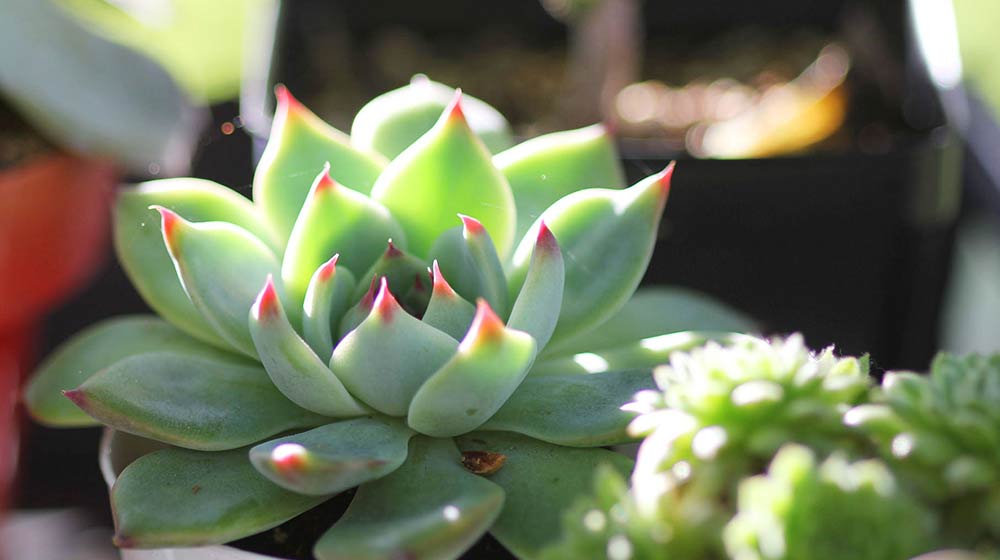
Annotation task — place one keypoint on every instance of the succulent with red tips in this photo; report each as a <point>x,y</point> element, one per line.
<point>305,316</point>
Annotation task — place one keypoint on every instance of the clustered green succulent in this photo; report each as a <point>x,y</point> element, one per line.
<point>763,450</point>
<point>401,311</point>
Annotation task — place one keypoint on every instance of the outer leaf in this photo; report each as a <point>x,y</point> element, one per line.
<point>573,410</point>
<point>491,362</point>
<point>468,256</point>
<point>641,354</point>
<point>139,242</point>
<point>178,497</point>
<point>94,349</point>
<point>447,311</point>
<point>541,481</point>
<point>546,168</point>
<point>389,356</point>
<point>430,508</point>
<point>120,103</point>
<point>392,121</point>
<point>293,367</point>
<point>190,401</point>
<point>447,171</point>
<point>221,266</point>
<point>607,237</point>
<point>654,311</point>
<point>536,309</point>
<point>335,457</point>
<point>335,219</point>
<point>327,299</point>
<point>301,143</point>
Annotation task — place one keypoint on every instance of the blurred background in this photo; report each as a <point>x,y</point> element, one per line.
<point>839,160</point>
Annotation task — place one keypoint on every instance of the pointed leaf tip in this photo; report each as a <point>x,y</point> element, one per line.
<point>486,326</point>
<point>369,298</point>
<point>391,251</point>
<point>290,457</point>
<point>664,177</point>
<point>454,110</point>
<point>441,286</point>
<point>170,221</point>
<point>472,226</point>
<point>77,396</point>
<point>286,101</point>
<point>323,182</point>
<point>328,268</point>
<point>267,301</point>
<point>546,240</point>
<point>385,304</point>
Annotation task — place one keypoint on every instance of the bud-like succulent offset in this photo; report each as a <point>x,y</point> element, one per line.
<point>942,434</point>
<point>423,326</point>
<point>827,511</point>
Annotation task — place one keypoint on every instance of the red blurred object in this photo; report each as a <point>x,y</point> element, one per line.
<point>54,213</point>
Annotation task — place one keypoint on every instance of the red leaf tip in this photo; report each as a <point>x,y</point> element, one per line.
<point>391,251</point>
<point>327,269</point>
<point>267,301</point>
<point>369,298</point>
<point>385,304</point>
<point>441,286</point>
<point>286,101</point>
<point>663,179</point>
<point>454,110</point>
<point>472,225</point>
<point>546,240</point>
<point>486,326</point>
<point>289,457</point>
<point>324,182</point>
<point>170,221</point>
<point>77,396</point>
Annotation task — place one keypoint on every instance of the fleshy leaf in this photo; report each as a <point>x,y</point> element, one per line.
<point>536,309</point>
<point>400,269</point>
<point>573,410</point>
<point>643,353</point>
<point>327,299</point>
<point>544,169</point>
<point>541,481</point>
<point>389,356</point>
<point>294,368</point>
<point>392,121</point>
<point>491,362</point>
<point>179,497</point>
<point>139,242</point>
<point>360,311</point>
<point>190,401</point>
<point>447,311</point>
<point>94,349</point>
<point>335,457</point>
<point>301,143</point>
<point>467,255</point>
<point>335,219</point>
<point>429,508</point>
<point>221,266</point>
<point>607,237</point>
<point>447,171</point>
<point>654,311</point>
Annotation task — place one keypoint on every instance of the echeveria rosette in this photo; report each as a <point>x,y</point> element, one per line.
<point>826,511</point>
<point>941,432</point>
<point>368,323</point>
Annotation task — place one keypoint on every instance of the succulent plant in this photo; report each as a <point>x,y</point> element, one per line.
<point>429,321</point>
<point>831,510</point>
<point>941,432</point>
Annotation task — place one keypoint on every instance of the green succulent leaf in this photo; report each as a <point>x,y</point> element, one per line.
<point>573,410</point>
<point>179,497</point>
<point>536,309</point>
<point>645,353</point>
<point>389,356</point>
<point>429,508</point>
<point>327,300</point>
<point>335,457</point>
<point>546,168</point>
<point>447,171</point>
<point>333,220</point>
<point>541,481</point>
<point>294,368</point>
<point>400,269</point>
<point>654,311</point>
<point>447,311</point>
<point>392,121</point>
<point>607,237</point>
<point>300,143</point>
<point>140,248</point>
<point>190,401</point>
<point>491,362</point>
<point>220,266</point>
<point>360,311</point>
<point>94,349</point>
<point>467,255</point>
